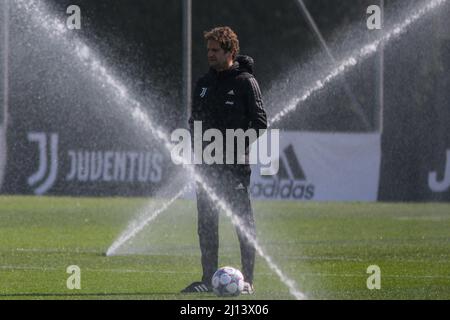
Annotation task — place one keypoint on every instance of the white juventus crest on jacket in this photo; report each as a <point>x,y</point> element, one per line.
<point>203,93</point>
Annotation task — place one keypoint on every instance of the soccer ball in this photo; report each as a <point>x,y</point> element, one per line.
<point>227,282</point>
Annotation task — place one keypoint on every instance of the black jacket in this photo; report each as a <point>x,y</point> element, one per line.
<point>229,100</point>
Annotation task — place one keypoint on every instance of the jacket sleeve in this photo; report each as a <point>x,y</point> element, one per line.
<point>257,114</point>
<point>196,110</point>
<point>194,116</point>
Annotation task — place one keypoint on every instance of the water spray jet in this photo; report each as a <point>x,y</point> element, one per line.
<point>130,106</point>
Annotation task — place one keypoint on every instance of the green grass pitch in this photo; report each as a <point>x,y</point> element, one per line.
<point>325,247</point>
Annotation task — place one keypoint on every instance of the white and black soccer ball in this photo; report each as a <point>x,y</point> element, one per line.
<point>227,282</point>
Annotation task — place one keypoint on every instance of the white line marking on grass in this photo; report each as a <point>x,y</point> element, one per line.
<point>56,250</point>
<point>424,218</point>
<point>267,274</point>
<point>437,258</point>
<point>13,268</point>
<point>37,268</point>
<point>355,275</point>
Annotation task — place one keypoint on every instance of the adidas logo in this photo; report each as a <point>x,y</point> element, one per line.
<point>289,167</point>
<point>231,93</point>
<point>296,170</point>
<point>289,183</point>
<point>240,187</point>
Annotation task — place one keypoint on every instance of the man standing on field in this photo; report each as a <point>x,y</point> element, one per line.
<point>227,97</point>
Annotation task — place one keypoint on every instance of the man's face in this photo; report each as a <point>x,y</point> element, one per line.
<point>218,59</point>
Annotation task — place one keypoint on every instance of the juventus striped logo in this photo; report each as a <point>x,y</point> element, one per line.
<point>45,177</point>
<point>443,185</point>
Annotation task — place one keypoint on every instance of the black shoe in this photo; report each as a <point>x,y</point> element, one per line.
<point>197,287</point>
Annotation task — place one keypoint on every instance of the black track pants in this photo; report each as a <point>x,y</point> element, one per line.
<point>232,184</point>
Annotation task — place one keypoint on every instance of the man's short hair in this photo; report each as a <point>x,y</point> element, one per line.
<point>227,38</point>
